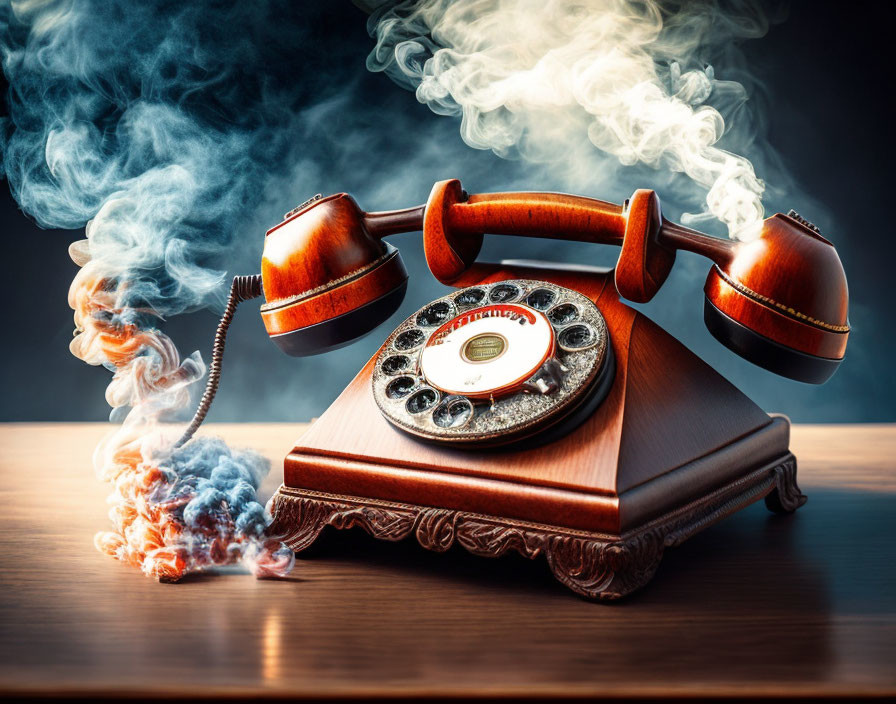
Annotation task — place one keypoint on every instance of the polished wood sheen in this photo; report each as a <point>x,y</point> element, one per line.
<point>557,216</point>
<point>786,285</point>
<point>454,223</point>
<point>776,324</point>
<point>671,433</point>
<point>314,306</point>
<point>323,242</point>
<point>596,565</point>
<point>758,605</point>
<point>644,264</point>
<point>664,402</point>
<point>448,254</point>
<point>323,262</point>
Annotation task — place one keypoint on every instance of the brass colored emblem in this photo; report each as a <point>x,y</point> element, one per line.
<point>484,348</point>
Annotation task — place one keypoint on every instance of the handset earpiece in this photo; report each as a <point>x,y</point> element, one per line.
<point>781,301</point>
<point>327,280</point>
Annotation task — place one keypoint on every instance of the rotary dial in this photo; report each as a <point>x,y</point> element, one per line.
<point>493,363</point>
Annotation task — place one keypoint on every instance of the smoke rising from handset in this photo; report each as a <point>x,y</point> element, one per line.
<point>581,86</point>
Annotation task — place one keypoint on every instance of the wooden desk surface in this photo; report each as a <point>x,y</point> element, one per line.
<point>759,604</point>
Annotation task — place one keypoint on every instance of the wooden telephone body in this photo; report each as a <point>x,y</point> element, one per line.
<point>672,448</point>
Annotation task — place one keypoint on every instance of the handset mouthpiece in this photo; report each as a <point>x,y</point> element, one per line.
<point>328,279</point>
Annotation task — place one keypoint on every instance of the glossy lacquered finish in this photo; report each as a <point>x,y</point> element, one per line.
<point>357,289</point>
<point>555,215</point>
<point>644,262</point>
<point>455,222</point>
<point>672,448</point>
<point>323,263</point>
<point>633,459</point>
<point>325,241</point>
<point>784,290</point>
<point>789,285</point>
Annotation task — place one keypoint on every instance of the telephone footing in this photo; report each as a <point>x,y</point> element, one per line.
<point>594,565</point>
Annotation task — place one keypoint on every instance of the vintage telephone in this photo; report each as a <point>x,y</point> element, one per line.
<point>530,409</point>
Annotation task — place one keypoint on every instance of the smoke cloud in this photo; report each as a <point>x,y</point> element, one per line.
<point>156,125</point>
<point>556,82</point>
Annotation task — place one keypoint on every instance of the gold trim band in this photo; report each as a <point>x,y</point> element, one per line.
<point>356,274</point>
<point>780,306</point>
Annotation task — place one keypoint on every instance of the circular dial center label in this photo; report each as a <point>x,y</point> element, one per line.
<point>489,351</point>
<point>484,348</point>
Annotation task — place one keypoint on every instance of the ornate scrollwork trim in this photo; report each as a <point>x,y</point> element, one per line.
<point>594,565</point>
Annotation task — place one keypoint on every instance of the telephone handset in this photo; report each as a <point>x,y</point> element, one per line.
<point>779,301</point>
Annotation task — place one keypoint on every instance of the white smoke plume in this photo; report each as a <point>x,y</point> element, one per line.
<point>559,82</point>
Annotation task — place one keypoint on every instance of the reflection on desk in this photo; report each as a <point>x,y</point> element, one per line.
<point>758,604</point>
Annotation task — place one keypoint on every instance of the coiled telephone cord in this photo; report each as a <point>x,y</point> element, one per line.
<point>243,288</point>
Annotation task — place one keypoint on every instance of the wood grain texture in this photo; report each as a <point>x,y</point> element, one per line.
<point>594,565</point>
<point>788,282</point>
<point>323,242</point>
<point>666,410</point>
<point>644,264</point>
<point>448,254</point>
<point>553,215</point>
<point>364,286</point>
<point>788,285</point>
<point>726,294</point>
<point>757,605</point>
<point>322,262</point>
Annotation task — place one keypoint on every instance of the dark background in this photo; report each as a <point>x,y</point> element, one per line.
<point>827,70</point>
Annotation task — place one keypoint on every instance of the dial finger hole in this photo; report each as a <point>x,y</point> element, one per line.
<point>400,387</point>
<point>470,297</point>
<point>422,400</point>
<point>502,293</point>
<point>541,298</point>
<point>396,363</point>
<point>453,413</point>
<point>436,314</point>
<point>409,339</point>
<point>563,314</point>
<point>576,337</point>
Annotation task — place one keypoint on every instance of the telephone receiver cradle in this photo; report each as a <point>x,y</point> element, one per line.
<point>659,447</point>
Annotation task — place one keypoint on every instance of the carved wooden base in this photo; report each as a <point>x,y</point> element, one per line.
<point>595,565</point>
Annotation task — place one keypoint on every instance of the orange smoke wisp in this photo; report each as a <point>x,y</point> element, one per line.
<point>149,529</point>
